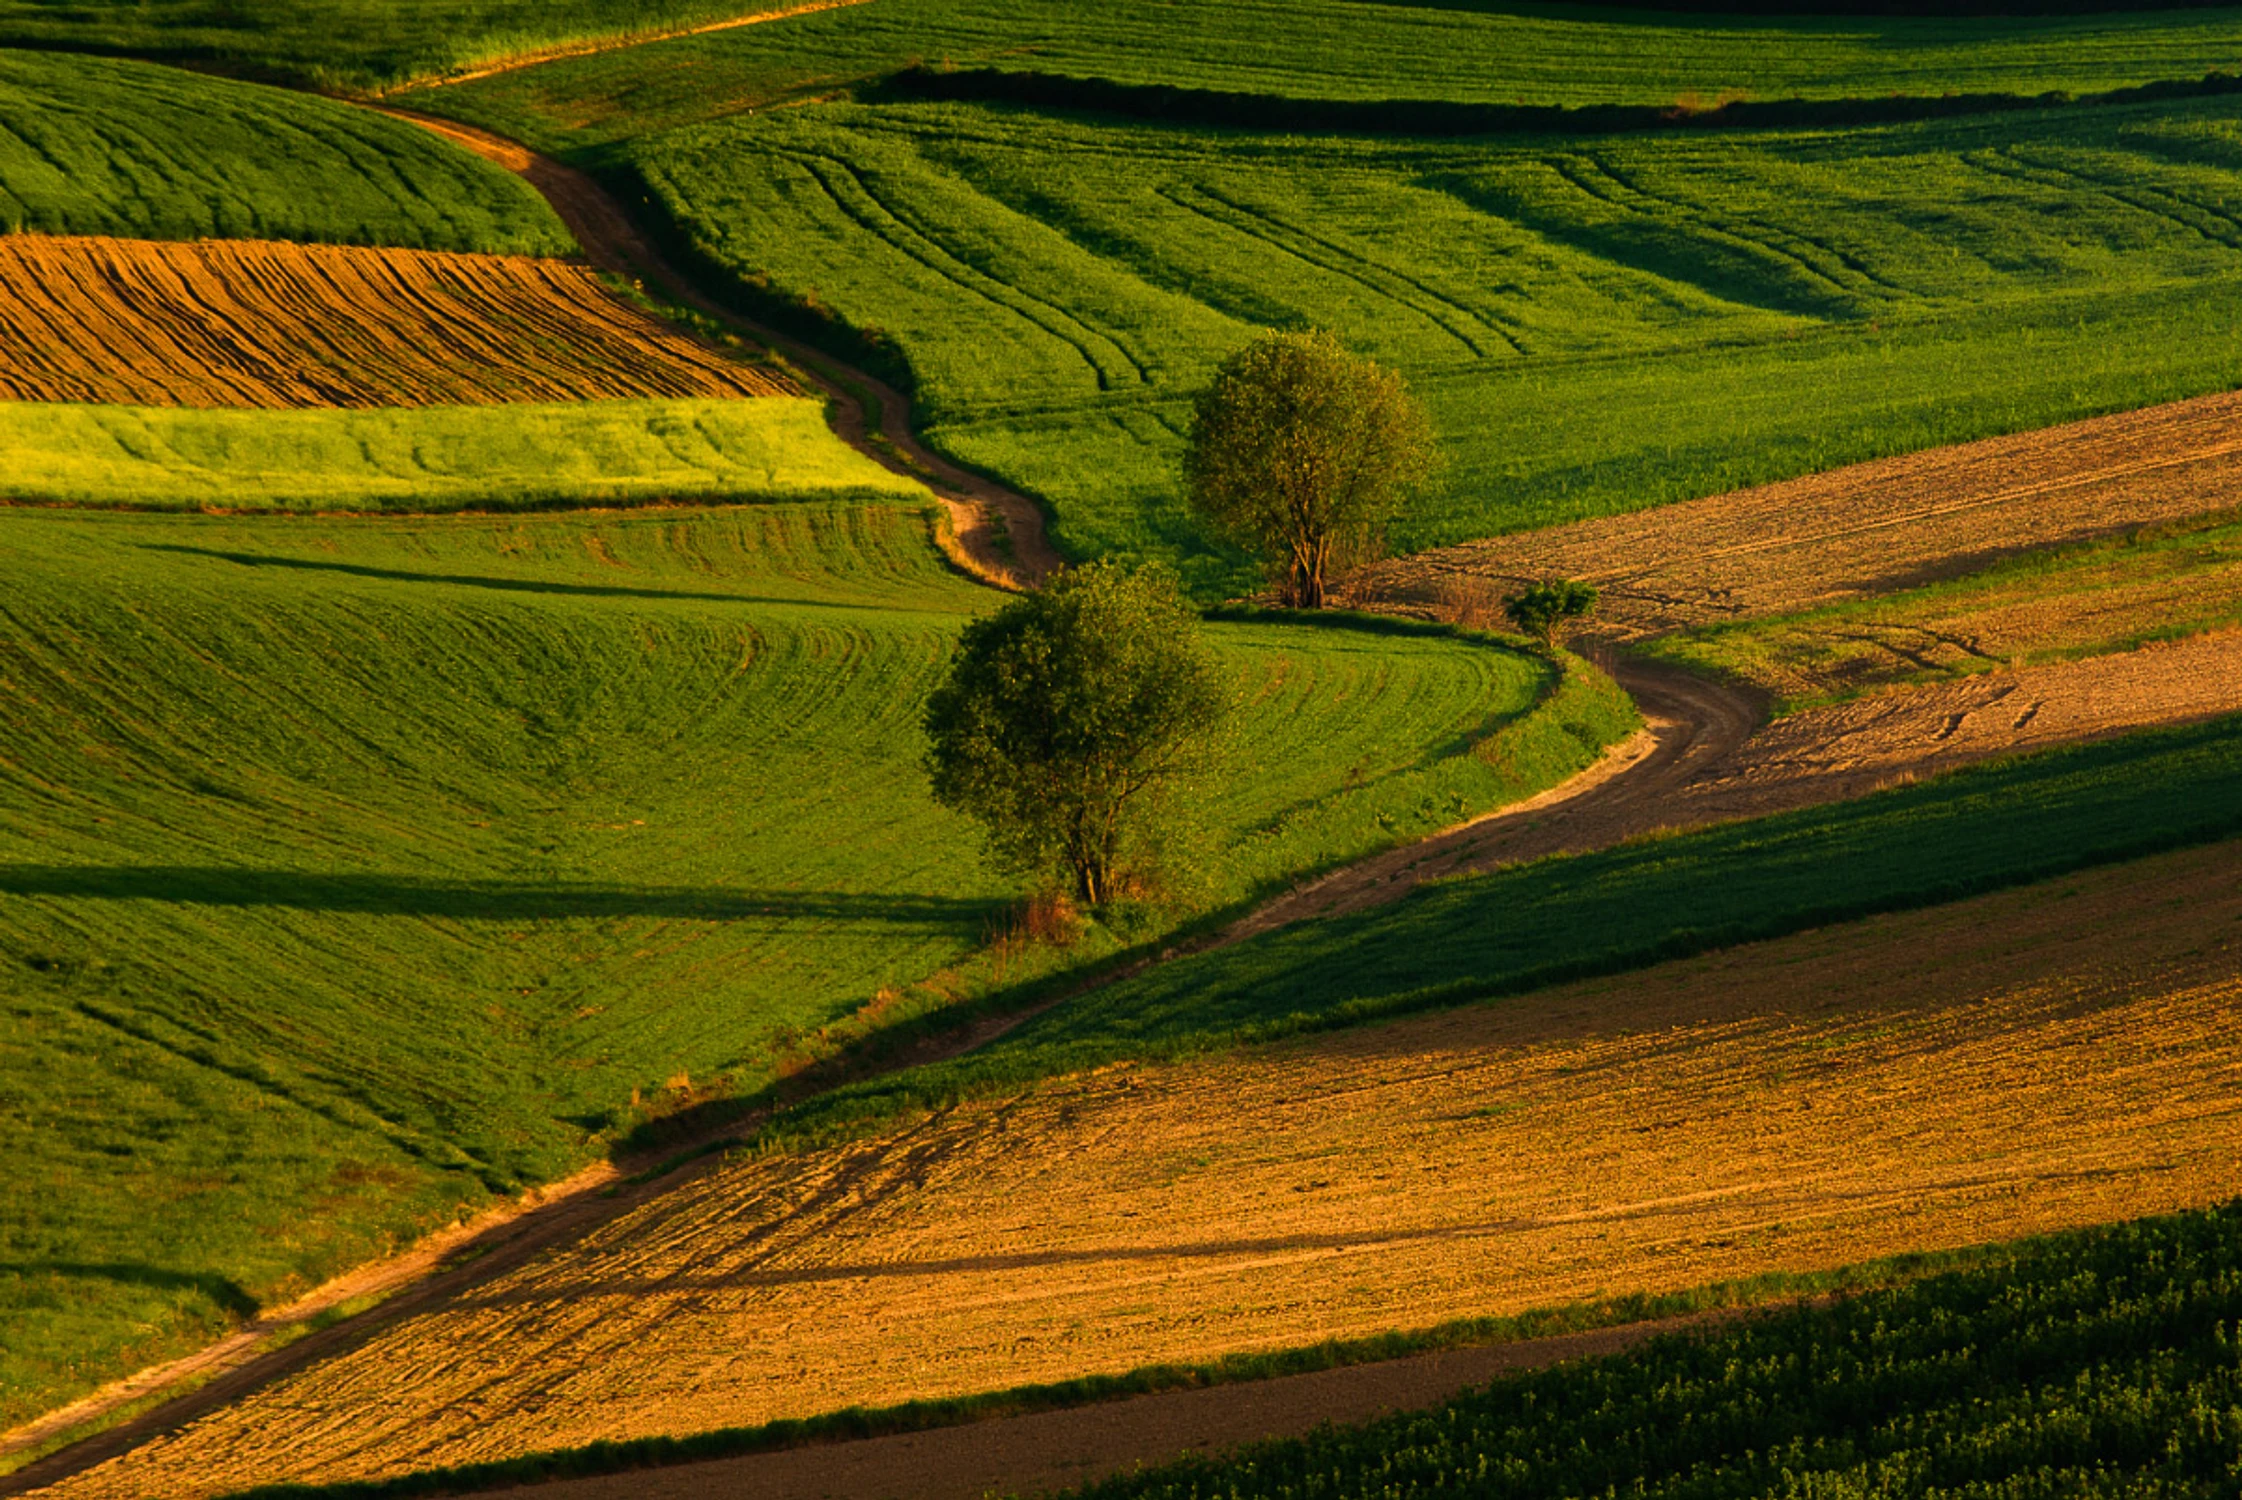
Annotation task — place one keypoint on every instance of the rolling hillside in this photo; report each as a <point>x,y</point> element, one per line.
<point>1346,51</point>
<point>101,146</point>
<point>1760,305</point>
<point>354,871</point>
<point>1786,1107</point>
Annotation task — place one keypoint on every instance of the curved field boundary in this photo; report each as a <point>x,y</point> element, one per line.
<point>998,533</point>
<point>250,323</point>
<point>1780,1106</point>
<point>1054,1450</point>
<point>1857,531</point>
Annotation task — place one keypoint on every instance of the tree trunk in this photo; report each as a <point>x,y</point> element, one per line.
<point>1305,587</point>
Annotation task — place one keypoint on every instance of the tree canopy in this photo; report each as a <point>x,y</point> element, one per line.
<point>1543,609</point>
<point>1302,452</point>
<point>1066,718</point>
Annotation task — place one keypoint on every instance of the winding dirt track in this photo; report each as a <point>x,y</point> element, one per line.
<point>1000,532</point>
<point>1702,756</point>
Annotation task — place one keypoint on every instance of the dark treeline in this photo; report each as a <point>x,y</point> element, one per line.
<point>1173,105</point>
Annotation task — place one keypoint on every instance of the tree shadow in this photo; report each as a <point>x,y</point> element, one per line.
<point>494,900</point>
<point>504,585</point>
<point>225,1293</point>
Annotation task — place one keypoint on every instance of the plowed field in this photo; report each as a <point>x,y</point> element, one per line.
<point>265,324</point>
<point>2059,1055</point>
<point>1854,532</point>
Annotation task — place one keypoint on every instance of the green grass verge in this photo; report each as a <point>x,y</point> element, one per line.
<point>1343,51</point>
<point>356,872</point>
<point>856,1423</point>
<point>94,146</point>
<point>2056,604</point>
<point>1470,939</point>
<point>435,458</point>
<point>1757,304</point>
<point>2094,1363</point>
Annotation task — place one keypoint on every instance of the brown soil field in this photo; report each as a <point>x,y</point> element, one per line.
<point>2060,1055</point>
<point>261,324</point>
<point>1858,531</point>
<point>2102,603</point>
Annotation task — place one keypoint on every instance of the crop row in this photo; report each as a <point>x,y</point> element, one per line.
<point>1059,287</point>
<point>260,324</point>
<point>2096,1363</point>
<point>94,146</point>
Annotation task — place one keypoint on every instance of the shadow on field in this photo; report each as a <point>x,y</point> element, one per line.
<point>1788,1197</point>
<point>506,585</point>
<point>227,1295</point>
<point>404,895</point>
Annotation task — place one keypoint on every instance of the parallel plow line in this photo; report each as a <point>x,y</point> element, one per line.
<point>262,324</point>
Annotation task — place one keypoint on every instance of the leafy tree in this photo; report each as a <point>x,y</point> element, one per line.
<point>1302,452</point>
<point>1066,717</point>
<point>1544,608</point>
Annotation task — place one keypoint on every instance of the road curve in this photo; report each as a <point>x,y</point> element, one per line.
<point>1695,732</point>
<point>1000,533</point>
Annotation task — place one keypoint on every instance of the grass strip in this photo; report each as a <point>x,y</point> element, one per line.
<point>857,1423</point>
<point>1994,825</point>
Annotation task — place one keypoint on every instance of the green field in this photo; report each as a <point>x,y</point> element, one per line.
<point>1476,938</point>
<point>94,146</point>
<point>2059,604</point>
<point>354,870</point>
<point>347,44</point>
<point>2099,1363</point>
<point>1756,304</point>
<point>435,458</point>
<point>1516,53</point>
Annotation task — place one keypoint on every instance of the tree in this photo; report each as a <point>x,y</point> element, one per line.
<point>1302,452</point>
<point>1067,716</point>
<point>1543,608</point>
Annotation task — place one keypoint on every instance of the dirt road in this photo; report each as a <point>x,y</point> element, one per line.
<point>1058,1450</point>
<point>1707,757</point>
<point>1000,533</point>
<point>520,60</point>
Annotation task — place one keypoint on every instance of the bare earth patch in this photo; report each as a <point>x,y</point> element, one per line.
<point>262,324</point>
<point>1867,529</point>
<point>2061,1055</point>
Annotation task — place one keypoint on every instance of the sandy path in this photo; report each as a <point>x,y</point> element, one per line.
<point>1862,530</point>
<point>1057,1450</point>
<point>1699,761</point>
<point>1000,533</point>
<point>1707,758</point>
<point>1780,1106</point>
